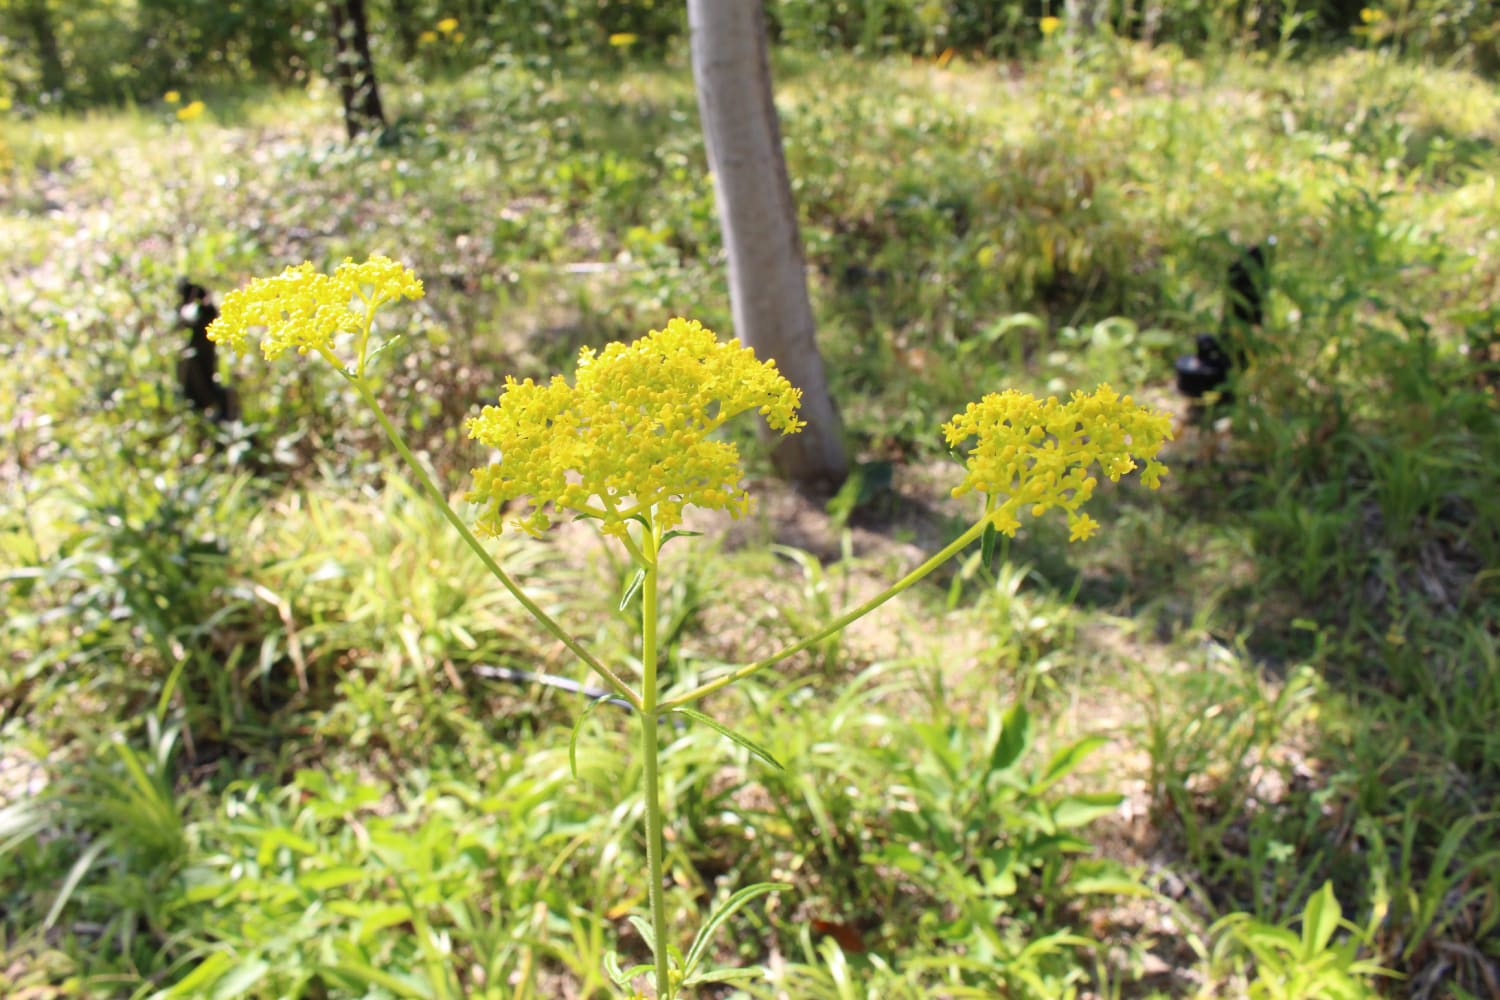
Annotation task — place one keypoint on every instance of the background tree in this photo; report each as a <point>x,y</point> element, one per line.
<point>404,18</point>
<point>354,69</point>
<point>767,273</point>
<point>37,19</point>
<point>1081,18</point>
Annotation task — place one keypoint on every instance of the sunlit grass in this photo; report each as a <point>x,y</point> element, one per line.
<point>1290,649</point>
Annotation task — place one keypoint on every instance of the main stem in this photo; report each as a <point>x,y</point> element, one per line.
<point>650,549</point>
<point>535,610</point>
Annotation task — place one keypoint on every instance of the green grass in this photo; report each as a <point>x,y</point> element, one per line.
<point>270,759</point>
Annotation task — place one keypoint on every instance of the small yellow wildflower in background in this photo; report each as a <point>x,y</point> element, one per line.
<point>623,39</point>
<point>427,37</point>
<point>172,97</point>
<point>1369,15</point>
<point>448,25</point>
<point>304,309</point>
<point>1049,25</point>
<point>190,112</point>
<point>1037,454</point>
<point>631,436</point>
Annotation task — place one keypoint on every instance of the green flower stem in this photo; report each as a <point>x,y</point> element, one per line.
<point>650,748</point>
<point>535,610</point>
<point>837,625</point>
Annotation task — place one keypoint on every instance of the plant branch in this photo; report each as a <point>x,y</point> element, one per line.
<point>837,625</point>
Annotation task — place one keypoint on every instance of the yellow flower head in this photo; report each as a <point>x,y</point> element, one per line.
<point>1038,454</point>
<point>448,25</point>
<point>304,309</point>
<point>623,39</point>
<point>172,97</point>
<point>427,37</point>
<point>632,435</point>
<point>189,112</point>
<point>1369,15</point>
<point>1049,26</point>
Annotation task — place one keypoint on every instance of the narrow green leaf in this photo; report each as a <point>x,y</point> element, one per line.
<point>755,748</point>
<point>330,878</point>
<point>75,875</point>
<point>676,533</point>
<point>239,980</point>
<point>1073,811</point>
<point>588,710</point>
<point>644,929</point>
<point>723,976</point>
<point>170,686</point>
<point>399,985</point>
<point>726,910</point>
<point>622,977</point>
<point>1066,760</point>
<point>987,546</point>
<point>633,588</point>
<point>19,823</point>
<point>193,984</point>
<point>1106,884</point>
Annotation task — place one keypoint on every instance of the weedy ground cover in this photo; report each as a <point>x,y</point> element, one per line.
<point>1239,745</point>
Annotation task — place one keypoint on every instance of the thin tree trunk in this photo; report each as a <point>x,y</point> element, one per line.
<point>355,69</point>
<point>767,272</point>
<point>49,54</point>
<point>1080,19</point>
<point>404,15</point>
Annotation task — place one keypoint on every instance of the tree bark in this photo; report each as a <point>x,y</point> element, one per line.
<point>404,15</point>
<point>1081,18</point>
<point>354,68</point>
<point>38,18</point>
<point>767,272</point>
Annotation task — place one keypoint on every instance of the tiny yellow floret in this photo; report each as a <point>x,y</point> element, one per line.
<point>448,25</point>
<point>427,37</point>
<point>305,310</point>
<point>1049,26</point>
<point>172,97</point>
<point>189,112</point>
<point>623,39</point>
<point>632,436</point>
<point>1036,455</point>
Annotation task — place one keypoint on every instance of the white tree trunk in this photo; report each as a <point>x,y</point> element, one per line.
<point>1081,18</point>
<point>767,273</point>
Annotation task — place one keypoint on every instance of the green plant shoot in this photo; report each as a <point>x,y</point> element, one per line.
<point>629,444</point>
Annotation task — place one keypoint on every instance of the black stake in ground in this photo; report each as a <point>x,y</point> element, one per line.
<point>1207,370</point>
<point>198,367</point>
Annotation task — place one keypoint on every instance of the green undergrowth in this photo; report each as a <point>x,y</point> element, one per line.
<point>260,738</point>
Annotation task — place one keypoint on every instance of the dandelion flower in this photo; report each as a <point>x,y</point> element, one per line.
<point>190,112</point>
<point>623,39</point>
<point>172,97</point>
<point>1036,455</point>
<point>1049,25</point>
<point>448,25</point>
<point>1369,15</point>
<point>304,309</point>
<point>632,436</point>
<point>427,37</point>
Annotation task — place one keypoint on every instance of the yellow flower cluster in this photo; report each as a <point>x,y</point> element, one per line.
<point>1037,454</point>
<point>305,309</point>
<point>633,434</point>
